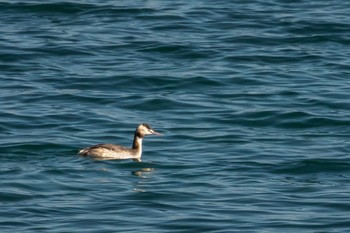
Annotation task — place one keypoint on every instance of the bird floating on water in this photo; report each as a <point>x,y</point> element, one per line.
<point>111,151</point>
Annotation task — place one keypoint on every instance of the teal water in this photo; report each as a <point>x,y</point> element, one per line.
<point>252,98</point>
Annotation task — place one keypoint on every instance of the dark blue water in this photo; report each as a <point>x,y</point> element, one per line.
<point>252,98</point>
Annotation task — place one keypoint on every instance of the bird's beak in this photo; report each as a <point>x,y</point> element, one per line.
<point>154,132</point>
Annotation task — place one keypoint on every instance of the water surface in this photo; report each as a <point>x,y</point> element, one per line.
<point>252,98</point>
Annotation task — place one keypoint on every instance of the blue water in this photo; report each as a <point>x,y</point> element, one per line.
<point>252,98</point>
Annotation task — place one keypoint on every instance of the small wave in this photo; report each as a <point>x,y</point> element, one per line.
<point>311,166</point>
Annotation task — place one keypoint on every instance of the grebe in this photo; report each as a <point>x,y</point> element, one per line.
<point>110,151</point>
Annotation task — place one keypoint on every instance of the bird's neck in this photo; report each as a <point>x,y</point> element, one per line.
<point>137,146</point>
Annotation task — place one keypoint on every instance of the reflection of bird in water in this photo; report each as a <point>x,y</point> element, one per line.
<point>110,151</point>
<point>141,172</point>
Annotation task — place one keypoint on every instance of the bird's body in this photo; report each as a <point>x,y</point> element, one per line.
<point>111,151</point>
